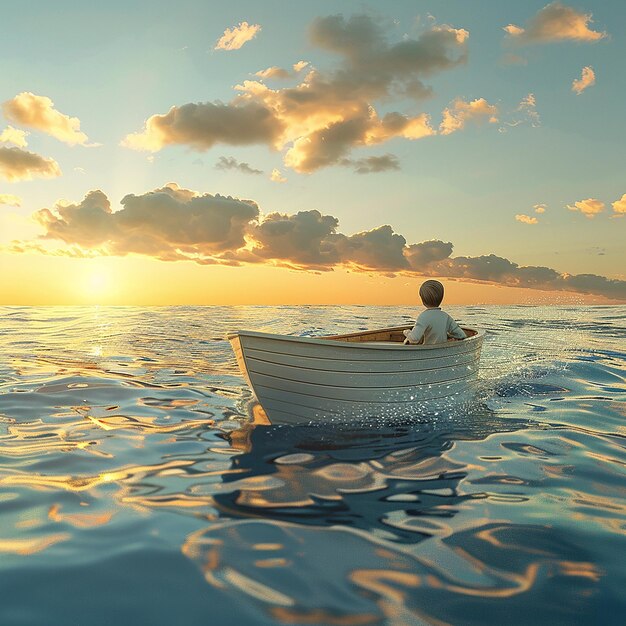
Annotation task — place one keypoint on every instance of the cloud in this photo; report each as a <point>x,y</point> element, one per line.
<point>38,112</point>
<point>203,125</point>
<point>172,224</point>
<point>524,113</point>
<point>376,67</point>
<point>318,122</point>
<point>526,219</point>
<point>331,144</point>
<point>589,207</point>
<point>300,240</point>
<point>277,177</point>
<point>421,255</point>
<point>235,37</point>
<point>379,249</point>
<point>587,79</point>
<point>230,163</point>
<point>10,199</point>
<point>528,106</point>
<point>17,164</point>
<point>456,116</point>
<point>540,208</point>
<point>273,72</point>
<point>168,223</point>
<point>15,136</point>
<point>369,165</point>
<point>555,22</point>
<point>280,73</point>
<point>619,206</point>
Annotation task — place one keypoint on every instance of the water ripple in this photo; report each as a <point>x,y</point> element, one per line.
<point>134,461</point>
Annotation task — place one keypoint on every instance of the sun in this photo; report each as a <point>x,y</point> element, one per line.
<point>97,283</point>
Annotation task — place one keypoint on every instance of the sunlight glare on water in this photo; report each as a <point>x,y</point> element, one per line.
<point>135,487</point>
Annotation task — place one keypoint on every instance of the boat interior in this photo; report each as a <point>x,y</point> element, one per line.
<point>384,335</point>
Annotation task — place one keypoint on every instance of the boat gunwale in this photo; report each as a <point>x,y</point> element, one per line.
<point>323,341</point>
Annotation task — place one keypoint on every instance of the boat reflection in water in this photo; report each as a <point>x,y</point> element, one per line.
<point>334,525</point>
<point>345,378</point>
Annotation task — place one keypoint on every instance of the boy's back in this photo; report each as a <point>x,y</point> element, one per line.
<point>434,326</point>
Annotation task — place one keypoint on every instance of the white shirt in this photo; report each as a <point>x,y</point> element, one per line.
<point>434,326</point>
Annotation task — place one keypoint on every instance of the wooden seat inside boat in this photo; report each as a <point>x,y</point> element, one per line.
<point>385,335</point>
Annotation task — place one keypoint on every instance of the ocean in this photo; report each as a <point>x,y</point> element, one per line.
<point>135,489</point>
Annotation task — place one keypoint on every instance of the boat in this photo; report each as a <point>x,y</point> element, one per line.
<point>355,376</point>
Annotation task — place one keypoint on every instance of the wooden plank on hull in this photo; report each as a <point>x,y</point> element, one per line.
<point>361,379</point>
<point>315,408</point>
<point>357,394</point>
<point>367,366</point>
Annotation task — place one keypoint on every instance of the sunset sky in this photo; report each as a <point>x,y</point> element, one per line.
<point>282,152</point>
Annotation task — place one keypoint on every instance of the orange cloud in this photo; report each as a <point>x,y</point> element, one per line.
<point>15,136</point>
<point>17,164</point>
<point>10,199</point>
<point>273,72</point>
<point>172,223</point>
<point>587,79</point>
<point>555,22</point>
<point>235,37</point>
<point>619,206</point>
<point>318,122</point>
<point>277,177</point>
<point>460,113</point>
<point>526,219</point>
<point>38,112</point>
<point>589,207</point>
<point>539,208</point>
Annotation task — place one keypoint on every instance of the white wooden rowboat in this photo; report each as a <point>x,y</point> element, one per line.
<point>355,376</point>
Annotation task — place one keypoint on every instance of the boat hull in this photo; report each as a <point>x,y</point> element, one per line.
<point>304,379</point>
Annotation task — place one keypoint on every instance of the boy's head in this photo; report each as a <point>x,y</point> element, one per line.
<point>431,293</point>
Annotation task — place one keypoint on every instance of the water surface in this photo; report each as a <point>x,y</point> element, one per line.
<point>135,488</point>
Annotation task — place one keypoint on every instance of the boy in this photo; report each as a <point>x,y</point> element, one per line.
<point>433,325</point>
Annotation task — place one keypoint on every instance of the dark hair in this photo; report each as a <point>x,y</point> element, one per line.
<point>431,293</point>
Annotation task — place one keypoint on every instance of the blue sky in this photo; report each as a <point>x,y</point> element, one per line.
<point>115,65</point>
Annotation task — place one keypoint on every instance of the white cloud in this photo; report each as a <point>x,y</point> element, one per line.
<point>235,37</point>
